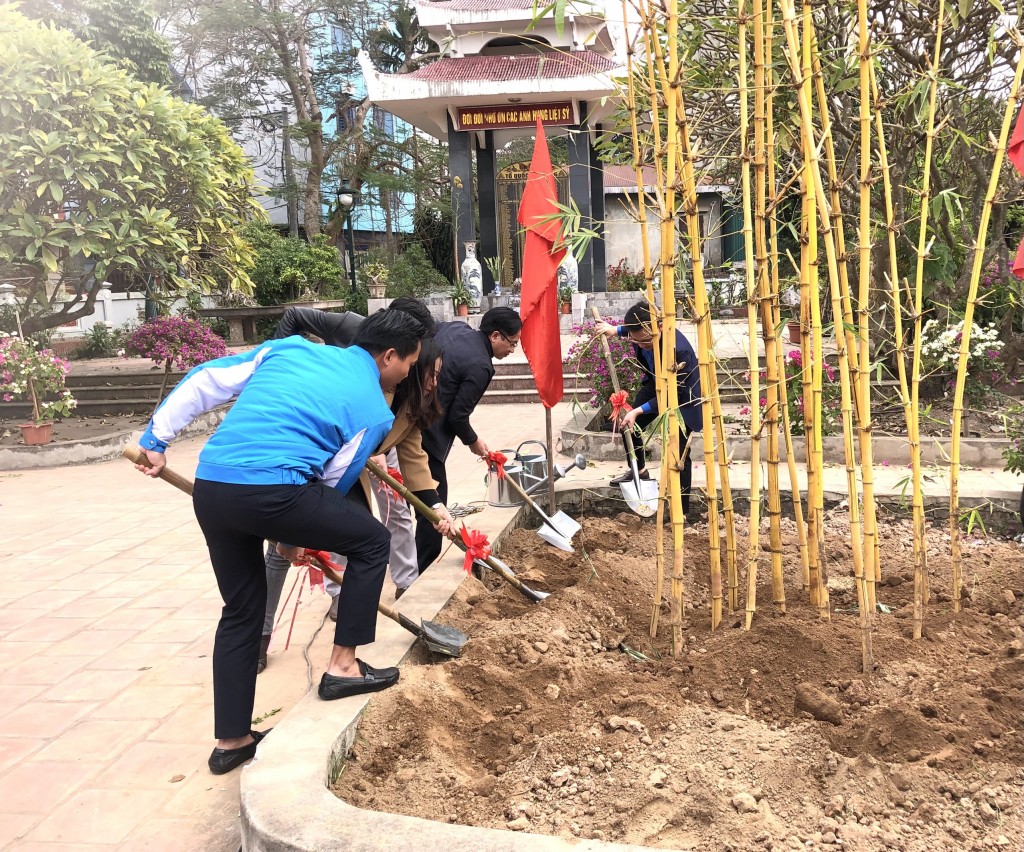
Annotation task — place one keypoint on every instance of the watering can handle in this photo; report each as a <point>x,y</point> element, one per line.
<point>540,444</point>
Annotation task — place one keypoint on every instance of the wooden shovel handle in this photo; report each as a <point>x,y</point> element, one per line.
<point>136,456</point>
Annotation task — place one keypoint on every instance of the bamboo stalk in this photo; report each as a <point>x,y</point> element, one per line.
<point>872,571</point>
<point>798,509</point>
<point>767,296</point>
<point>920,562</point>
<point>965,338</point>
<point>753,543</point>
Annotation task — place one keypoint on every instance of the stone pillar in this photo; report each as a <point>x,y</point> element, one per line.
<point>486,172</point>
<point>597,210</point>
<point>460,166</point>
<point>7,294</point>
<point>106,300</point>
<point>579,191</point>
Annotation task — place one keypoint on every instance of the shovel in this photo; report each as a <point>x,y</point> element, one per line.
<point>492,562</point>
<point>437,637</point>
<point>558,529</point>
<point>641,495</point>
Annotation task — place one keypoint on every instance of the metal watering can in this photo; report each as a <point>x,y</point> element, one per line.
<point>530,471</point>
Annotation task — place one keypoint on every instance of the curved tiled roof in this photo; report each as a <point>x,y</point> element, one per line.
<point>531,66</point>
<point>478,5</point>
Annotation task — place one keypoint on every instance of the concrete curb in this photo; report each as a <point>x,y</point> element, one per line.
<point>87,450</point>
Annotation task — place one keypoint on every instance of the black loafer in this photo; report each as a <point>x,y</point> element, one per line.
<point>373,680</point>
<point>628,477</point>
<point>225,759</point>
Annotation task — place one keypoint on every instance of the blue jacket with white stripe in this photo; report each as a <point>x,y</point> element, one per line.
<point>303,412</point>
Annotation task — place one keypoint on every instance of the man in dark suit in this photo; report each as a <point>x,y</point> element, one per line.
<point>637,327</point>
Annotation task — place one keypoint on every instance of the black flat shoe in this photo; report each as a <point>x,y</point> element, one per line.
<point>628,477</point>
<point>373,680</point>
<point>223,760</point>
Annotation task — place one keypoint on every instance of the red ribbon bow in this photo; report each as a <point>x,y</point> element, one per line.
<point>619,406</point>
<point>477,546</point>
<point>496,461</point>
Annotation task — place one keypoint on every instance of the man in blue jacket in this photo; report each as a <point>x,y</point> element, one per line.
<point>637,327</point>
<point>306,419</point>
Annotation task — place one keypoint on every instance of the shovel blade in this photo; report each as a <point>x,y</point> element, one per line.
<point>642,500</point>
<point>552,537</point>
<point>442,639</point>
<point>568,527</point>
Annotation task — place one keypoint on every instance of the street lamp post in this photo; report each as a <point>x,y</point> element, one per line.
<point>347,200</point>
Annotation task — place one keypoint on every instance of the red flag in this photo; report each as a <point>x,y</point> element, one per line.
<point>538,304</point>
<point>1018,262</point>
<point>1015,153</point>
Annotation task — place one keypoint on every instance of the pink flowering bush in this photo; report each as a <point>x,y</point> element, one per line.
<point>27,372</point>
<point>586,357</point>
<point>175,342</point>
<point>830,396</point>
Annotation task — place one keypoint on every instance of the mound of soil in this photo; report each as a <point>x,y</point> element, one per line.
<point>567,718</point>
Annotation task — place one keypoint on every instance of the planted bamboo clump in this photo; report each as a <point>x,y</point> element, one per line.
<point>777,62</point>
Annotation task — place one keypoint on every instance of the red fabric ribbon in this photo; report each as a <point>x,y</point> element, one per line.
<point>386,489</point>
<point>496,461</point>
<point>477,546</point>
<point>619,404</point>
<point>316,576</point>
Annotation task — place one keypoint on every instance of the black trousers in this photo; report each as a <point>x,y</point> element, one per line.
<point>645,394</point>
<point>428,540</point>
<point>235,520</point>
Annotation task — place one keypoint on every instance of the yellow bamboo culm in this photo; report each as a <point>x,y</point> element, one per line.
<point>794,482</point>
<point>965,339</point>
<point>753,545</point>
<point>767,298</point>
<point>923,245</point>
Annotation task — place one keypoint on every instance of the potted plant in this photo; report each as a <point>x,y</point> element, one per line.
<point>565,298</point>
<point>790,300</point>
<point>461,297</point>
<point>30,373</point>
<point>376,275</point>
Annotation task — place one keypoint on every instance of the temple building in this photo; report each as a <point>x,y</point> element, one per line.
<point>499,72</point>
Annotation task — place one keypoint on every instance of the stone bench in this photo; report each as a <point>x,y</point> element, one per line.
<point>242,321</point>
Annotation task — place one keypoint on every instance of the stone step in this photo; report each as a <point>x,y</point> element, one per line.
<point>150,377</point>
<point>87,408</point>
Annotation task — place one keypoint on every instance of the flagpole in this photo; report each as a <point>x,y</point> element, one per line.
<point>552,509</point>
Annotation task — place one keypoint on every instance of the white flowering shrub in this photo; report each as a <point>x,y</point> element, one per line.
<point>940,352</point>
<point>27,372</point>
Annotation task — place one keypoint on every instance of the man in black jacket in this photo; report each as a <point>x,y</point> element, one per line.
<point>637,327</point>
<point>466,371</point>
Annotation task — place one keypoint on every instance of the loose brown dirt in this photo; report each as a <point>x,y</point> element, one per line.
<point>553,722</point>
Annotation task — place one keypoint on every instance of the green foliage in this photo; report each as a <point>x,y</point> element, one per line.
<point>412,274</point>
<point>121,29</point>
<point>97,169</point>
<point>286,268</point>
<point>622,280</point>
<point>30,372</point>
<point>1014,454</point>
<point>432,229</point>
<point>104,341</point>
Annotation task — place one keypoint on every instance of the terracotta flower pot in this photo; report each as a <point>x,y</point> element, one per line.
<point>35,436</point>
<point>793,330</point>
<point>463,310</point>
<point>566,307</point>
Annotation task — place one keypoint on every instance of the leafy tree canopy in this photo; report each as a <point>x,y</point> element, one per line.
<point>121,29</point>
<point>100,175</point>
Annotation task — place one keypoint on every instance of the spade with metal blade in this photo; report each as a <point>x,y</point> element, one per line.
<point>437,637</point>
<point>496,565</point>
<point>641,495</point>
<point>558,529</point>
